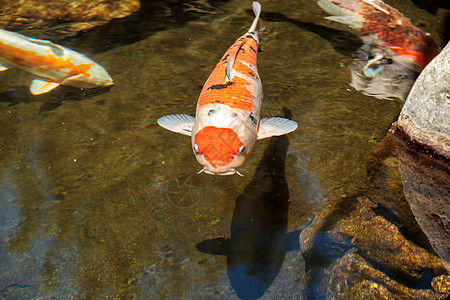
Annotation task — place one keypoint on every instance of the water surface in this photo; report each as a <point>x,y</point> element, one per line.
<point>97,201</point>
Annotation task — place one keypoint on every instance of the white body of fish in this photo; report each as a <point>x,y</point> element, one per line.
<point>55,64</point>
<point>227,122</point>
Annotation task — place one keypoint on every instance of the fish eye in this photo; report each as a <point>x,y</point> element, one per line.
<point>241,149</point>
<point>195,148</point>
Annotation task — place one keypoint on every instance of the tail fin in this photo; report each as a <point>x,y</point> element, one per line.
<point>257,23</point>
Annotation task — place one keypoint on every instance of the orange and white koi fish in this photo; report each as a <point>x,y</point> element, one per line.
<point>385,27</point>
<point>55,64</point>
<point>227,121</point>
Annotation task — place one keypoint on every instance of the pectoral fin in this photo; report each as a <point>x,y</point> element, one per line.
<point>41,86</point>
<point>177,123</point>
<point>275,126</point>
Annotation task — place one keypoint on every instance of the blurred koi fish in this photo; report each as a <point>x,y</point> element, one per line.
<point>54,63</point>
<point>227,122</point>
<point>385,27</point>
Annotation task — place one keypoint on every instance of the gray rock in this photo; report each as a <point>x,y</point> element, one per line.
<point>424,152</point>
<point>430,205</point>
<point>426,114</point>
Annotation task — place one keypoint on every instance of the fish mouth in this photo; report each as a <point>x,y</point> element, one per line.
<point>228,172</point>
<point>107,82</point>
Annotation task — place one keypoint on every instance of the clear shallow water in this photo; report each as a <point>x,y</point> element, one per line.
<point>98,201</point>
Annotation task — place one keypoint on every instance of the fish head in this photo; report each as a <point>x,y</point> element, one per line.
<point>99,76</point>
<point>219,150</point>
<point>94,76</point>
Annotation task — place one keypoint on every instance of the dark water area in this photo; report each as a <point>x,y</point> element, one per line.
<point>97,201</point>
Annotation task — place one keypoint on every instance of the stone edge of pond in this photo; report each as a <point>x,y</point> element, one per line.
<point>426,113</point>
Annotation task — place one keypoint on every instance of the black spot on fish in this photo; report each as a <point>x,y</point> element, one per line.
<point>234,115</point>
<point>225,58</point>
<point>251,48</point>
<point>211,111</point>
<point>253,75</point>
<point>251,37</point>
<point>253,119</point>
<point>220,86</point>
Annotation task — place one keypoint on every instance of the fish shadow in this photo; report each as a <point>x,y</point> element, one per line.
<point>52,99</point>
<point>343,42</point>
<point>152,17</point>
<point>259,238</point>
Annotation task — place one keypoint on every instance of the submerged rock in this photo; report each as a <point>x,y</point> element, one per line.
<point>425,177</point>
<point>425,185</point>
<point>73,15</point>
<point>355,278</point>
<point>426,113</point>
<point>430,203</point>
<point>352,252</point>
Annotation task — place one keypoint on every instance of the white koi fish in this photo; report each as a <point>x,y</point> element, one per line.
<point>54,63</point>
<point>227,121</point>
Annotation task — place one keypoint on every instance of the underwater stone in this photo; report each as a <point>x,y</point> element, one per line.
<point>352,277</point>
<point>70,15</point>
<point>430,205</point>
<point>352,252</point>
<point>426,113</point>
<point>424,184</point>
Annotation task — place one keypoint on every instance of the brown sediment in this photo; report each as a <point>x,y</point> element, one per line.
<point>422,158</point>
<point>77,15</point>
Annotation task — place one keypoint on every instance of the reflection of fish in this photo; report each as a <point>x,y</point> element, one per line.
<point>387,28</point>
<point>259,238</point>
<point>394,82</point>
<point>227,122</point>
<point>57,64</point>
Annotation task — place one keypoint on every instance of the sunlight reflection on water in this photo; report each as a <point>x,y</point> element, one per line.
<point>98,201</point>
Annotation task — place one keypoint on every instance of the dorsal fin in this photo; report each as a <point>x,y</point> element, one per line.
<point>230,63</point>
<point>58,50</point>
<point>255,28</point>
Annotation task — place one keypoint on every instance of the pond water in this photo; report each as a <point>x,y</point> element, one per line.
<point>98,201</point>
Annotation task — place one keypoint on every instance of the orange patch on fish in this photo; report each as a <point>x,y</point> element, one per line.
<point>218,145</point>
<point>29,59</point>
<point>234,93</point>
<point>394,30</point>
<point>401,36</point>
